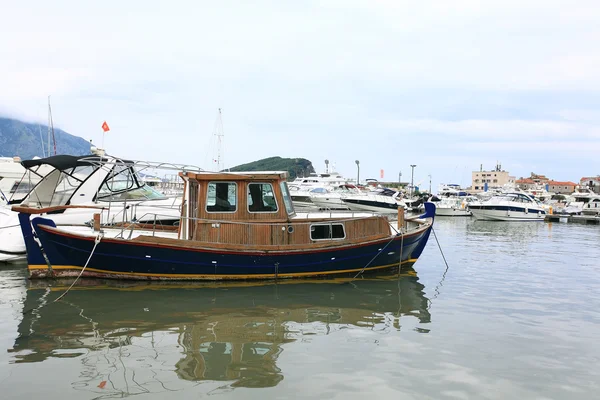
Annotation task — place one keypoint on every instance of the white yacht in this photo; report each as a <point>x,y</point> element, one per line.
<point>382,200</point>
<point>509,206</point>
<point>450,189</point>
<point>454,206</point>
<point>301,188</point>
<point>582,201</point>
<point>95,184</point>
<point>331,198</point>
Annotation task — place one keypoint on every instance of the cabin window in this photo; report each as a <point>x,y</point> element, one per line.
<point>261,198</point>
<point>327,231</point>
<point>21,187</point>
<point>287,200</point>
<point>221,197</point>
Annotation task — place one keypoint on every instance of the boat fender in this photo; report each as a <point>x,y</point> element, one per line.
<point>526,210</point>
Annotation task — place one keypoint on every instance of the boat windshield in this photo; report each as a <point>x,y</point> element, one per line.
<point>124,184</point>
<point>516,197</point>
<point>287,200</point>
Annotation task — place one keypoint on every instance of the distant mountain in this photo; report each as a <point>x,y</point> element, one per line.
<point>293,166</point>
<point>18,138</point>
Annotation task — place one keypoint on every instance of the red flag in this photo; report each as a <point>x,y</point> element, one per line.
<point>105,127</point>
<point>381,174</point>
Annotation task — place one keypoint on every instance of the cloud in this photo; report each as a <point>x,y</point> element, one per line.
<point>446,85</point>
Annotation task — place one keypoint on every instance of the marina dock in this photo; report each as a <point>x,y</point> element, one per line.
<point>578,219</point>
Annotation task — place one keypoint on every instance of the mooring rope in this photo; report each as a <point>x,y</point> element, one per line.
<point>440,247</point>
<point>376,255</point>
<point>98,239</point>
<point>440,284</point>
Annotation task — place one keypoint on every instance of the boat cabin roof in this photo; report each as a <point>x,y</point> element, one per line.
<point>236,176</point>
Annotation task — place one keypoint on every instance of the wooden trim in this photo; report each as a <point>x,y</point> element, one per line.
<point>213,277</point>
<point>183,208</point>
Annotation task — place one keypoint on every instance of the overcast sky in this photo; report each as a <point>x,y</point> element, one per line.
<point>446,85</point>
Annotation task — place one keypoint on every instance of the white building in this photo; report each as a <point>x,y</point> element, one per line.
<point>496,178</point>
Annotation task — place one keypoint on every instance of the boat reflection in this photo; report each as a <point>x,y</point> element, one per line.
<point>197,332</point>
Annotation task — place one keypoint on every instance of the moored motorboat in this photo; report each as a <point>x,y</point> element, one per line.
<point>509,206</point>
<point>453,206</point>
<point>381,200</point>
<point>87,184</point>
<point>233,226</point>
<point>582,201</point>
<point>331,198</point>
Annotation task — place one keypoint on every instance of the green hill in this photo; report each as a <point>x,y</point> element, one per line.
<point>18,138</point>
<point>293,166</point>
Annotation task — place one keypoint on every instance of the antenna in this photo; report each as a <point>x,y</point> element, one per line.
<point>219,134</point>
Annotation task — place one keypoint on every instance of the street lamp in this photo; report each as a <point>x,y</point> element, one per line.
<point>429,183</point>
<point>412,179</point>
<point>357,172</point>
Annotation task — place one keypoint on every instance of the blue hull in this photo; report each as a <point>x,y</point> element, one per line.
<point>66,254</point>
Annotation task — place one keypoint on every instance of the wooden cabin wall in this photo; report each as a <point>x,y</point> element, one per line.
<point>277,234</point>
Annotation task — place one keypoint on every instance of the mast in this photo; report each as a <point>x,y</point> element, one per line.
<point>42,140</point>
<point>219,134</point>
<point>50,128</point>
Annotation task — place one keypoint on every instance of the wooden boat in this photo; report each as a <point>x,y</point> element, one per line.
<point>232,226</point>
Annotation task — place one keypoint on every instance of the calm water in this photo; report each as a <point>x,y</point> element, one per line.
<point>517,315</point>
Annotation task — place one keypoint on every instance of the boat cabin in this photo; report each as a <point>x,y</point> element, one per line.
<point>255,208</point>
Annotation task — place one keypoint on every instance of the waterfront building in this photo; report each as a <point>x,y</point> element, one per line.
<point>496,178</point>
<point>558,187</point>
<point>535,181</point>
<point>592,182</point>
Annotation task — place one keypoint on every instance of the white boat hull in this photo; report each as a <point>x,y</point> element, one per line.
<point>371,208</point>
<point>503,215</point>
<point>329,203</point>
<point>591,208</point>
<point>12,245</point>
<point>452,212</point>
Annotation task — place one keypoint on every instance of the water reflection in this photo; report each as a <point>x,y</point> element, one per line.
<point>147,337</point>
<point>514,230</point>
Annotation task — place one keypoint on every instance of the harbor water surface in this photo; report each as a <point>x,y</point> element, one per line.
<point>516,315</point>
